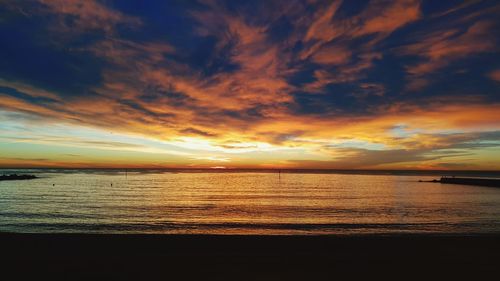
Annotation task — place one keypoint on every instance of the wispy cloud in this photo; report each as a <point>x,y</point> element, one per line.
<point>86,15</point>
<point>441,48</point>
<point>462,38</point>
<point>287,77</point>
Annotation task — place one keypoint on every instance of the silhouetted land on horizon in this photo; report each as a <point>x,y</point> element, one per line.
<point>17,177</point>
<point>467,181</point>
<point>471,181</point>
<point>208,257</point>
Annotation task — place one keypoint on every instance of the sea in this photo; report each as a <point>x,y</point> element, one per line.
<point>244,202</point>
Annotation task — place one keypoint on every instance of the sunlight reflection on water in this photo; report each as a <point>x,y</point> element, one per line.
<point>245,203</point>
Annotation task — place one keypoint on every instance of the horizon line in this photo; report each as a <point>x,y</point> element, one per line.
<point>248,169</point>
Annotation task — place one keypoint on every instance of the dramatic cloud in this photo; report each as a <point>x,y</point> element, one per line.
<point>338,84</point>
<point>467,37</point>
<point>86,15</point>
<point>443,47</point>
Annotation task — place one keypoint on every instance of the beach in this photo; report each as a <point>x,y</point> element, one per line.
<point>249,257</point>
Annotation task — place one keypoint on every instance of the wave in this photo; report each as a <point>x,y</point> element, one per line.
<point>165,227</point>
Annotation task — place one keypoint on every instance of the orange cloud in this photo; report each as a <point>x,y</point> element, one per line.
<point>344,73</point>
<point>88,14</point>
<point>332,36</point>
<point>259,79</point>
<point>443,47</point>
<point>495,75</point>
<point>427,127</point>
<point>333,55</point>
<point>322,28</point>
<point>383,18</point>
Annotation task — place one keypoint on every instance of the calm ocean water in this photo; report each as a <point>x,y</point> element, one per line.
<point>243,203</point>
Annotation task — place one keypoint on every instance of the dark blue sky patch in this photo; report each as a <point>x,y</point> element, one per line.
<point>279,30</point>
<point>390,72</point>
<point>165,21</point>
<point>343,97</point>
<point>248,10</point>
<point>28,54</point>
<point>336,98</point>
<point>430,7</point>
<point>463,78</point>
<point>172,23</point>
<point>303,76</point>
<point>349,9</point>
<point>207,58</point>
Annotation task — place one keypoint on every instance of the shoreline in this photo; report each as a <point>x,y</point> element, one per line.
<point>251,257</point>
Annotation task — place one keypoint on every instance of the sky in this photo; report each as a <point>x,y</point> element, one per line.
<point>250,84</point>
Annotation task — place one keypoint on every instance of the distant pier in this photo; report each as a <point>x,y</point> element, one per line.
<point>468,181</point>
<point>471,181</point>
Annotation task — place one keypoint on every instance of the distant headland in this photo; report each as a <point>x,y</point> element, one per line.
<point>17,177</point>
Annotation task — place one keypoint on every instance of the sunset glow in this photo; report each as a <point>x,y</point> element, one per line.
<point>250,84</point>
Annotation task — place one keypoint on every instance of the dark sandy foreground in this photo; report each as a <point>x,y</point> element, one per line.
<point>199,257</point>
